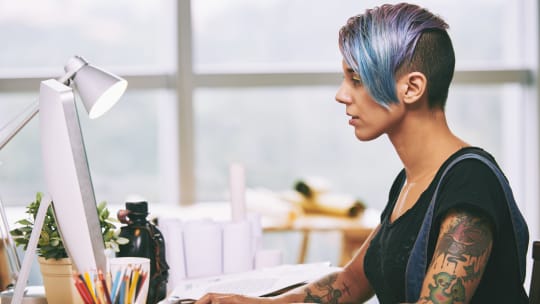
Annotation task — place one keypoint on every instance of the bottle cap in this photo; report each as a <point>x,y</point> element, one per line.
<point>137,207</point>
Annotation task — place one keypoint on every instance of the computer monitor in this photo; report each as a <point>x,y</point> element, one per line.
<point>67,176</point>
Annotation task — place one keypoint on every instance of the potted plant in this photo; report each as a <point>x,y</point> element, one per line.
<point>52,255</point>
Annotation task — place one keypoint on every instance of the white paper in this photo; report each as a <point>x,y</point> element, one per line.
<point>256,232</point>
<point>237,248</point>
<point>268,258</point>
<point>252,283</point>
<point>238,192</point>
<point>174,249</point>
<point>203,248</point>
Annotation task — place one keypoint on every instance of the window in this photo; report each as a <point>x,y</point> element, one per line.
<point>124,37</point>
<point>283,133</point>
<point>253,81</point>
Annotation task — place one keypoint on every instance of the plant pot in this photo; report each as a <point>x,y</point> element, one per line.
<point>5,275</point>
<point>58,281</point>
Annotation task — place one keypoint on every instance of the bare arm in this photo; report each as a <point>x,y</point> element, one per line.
<point>461,254</point>
<point>349,285</point>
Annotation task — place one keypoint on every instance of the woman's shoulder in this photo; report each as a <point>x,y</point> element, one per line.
<point>470,172</point>
<point>471,183</point>
<point>470,150</point>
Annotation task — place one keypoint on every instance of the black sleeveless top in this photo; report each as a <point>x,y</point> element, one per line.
<point>471,185</point>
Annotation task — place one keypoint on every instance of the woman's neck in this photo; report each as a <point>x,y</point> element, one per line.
<point>423,142</point>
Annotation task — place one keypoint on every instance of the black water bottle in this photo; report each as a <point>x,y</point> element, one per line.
<point>145,240</point>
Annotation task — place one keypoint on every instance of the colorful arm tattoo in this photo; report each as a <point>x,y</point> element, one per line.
<point>459,260</point>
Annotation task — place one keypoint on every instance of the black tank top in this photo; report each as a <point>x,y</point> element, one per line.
<point>469,185</point>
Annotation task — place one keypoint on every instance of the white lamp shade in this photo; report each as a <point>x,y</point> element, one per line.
<point>99,90</point>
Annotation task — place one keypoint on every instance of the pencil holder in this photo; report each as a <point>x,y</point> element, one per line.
<point>130,278</point>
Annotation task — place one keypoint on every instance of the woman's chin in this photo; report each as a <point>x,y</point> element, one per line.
<point>364,136</point>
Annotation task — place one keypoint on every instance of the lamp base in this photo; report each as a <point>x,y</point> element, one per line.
<point>32,295</point>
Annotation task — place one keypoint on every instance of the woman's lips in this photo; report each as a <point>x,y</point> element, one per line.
<point>353,120</point>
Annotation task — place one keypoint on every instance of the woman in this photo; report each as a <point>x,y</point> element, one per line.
<point>398,62</point>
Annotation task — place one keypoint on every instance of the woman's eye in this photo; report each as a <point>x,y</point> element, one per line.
<point>356,79</point>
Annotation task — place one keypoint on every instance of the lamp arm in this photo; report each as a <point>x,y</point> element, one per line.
<point>7,132</point>
<point>31,250</point>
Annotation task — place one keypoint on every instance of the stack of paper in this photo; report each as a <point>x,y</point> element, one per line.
<point>262,282</point>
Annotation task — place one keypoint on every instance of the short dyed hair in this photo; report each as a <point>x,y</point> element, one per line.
<point>388,41</point>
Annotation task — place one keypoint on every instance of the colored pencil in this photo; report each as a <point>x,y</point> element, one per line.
<point>108,279</point>
<point>122,288</point>
<point>116,284</point>
<point>140,285</point>
<point>83,291</point>
<point>127,277</point>
<point>133,283</point>
<point>81,278</point>
<point>100,294</point>
<point>106,293</point>
<point>89,285</point>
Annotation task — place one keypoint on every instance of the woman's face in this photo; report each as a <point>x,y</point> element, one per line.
<point>368,118</point>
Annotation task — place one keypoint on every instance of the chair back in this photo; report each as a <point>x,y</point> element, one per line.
<point>534,291</point>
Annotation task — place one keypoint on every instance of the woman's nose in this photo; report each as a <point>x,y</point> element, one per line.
<point>342,96</point>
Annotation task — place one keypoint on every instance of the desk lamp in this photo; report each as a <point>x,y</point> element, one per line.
<point>67,175</point>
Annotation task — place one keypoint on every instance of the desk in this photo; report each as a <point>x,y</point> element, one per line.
<point>354,231</point>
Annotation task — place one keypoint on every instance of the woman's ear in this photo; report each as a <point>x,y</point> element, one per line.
<point>411,87</point>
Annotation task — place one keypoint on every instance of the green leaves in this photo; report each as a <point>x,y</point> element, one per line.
<point>50,245</point>
<point>25,222</point>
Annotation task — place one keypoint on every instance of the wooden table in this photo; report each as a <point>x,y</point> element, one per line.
<point>354,231</point>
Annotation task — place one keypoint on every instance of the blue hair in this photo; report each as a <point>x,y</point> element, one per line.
<point>377,43</point>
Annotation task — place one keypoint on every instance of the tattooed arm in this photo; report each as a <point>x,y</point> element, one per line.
<point>349,285</point>
<point>461,254</point>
